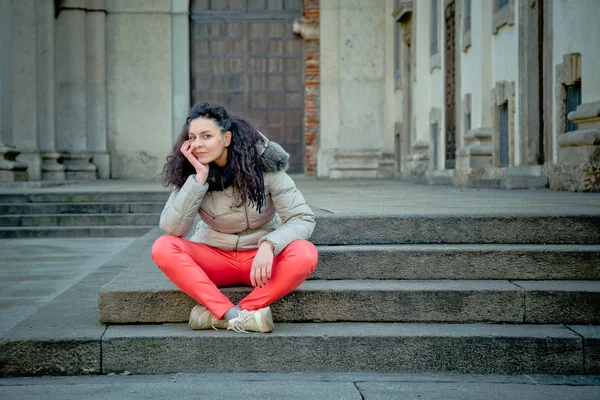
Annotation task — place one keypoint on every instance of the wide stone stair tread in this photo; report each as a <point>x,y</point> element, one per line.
<point>126,300</point>
<point>459,261</point>
<point>356,347</point>
<point>82,208</point>
<point>80,219</point>
<point>86,197</point>
<point>23,232</point>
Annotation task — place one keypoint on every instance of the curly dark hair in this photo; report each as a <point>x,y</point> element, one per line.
<point>244,169</point>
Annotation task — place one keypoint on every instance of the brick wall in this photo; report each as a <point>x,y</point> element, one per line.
<point>312,82</point>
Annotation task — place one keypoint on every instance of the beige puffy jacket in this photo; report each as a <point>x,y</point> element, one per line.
<point>284,218</point>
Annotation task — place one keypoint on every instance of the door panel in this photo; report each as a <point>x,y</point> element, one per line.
<point>245,56</point>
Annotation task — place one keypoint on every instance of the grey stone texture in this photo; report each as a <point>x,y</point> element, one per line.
<point>451,261</point>
<point>64,337</point>
<point>576,302</point>
<point>152,298</point>
<point>591,341</point>
<point>522,229</point>
<point>472,391</point>
<point>339,347</point>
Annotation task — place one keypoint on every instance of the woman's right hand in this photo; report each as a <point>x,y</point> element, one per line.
<point>201,169</point>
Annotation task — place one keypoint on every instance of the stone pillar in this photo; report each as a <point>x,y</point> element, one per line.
<point>180,54</point>
<point>71,124</point>
<point>95,62</point>
<point>51,168</point>
<point>24,88</point>
<point>361,43</point>
<point>330,85</point>
<point>10,169</point>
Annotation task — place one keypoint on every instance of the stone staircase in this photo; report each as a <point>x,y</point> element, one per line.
<point>421,293</point>
<point>92,214</point>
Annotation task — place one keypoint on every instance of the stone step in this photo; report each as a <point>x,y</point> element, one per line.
<point>23,232</point>
<point>86,197</point>
<point>350,347</point>
<point>466,228</point>
<point>81,208</point>
<point>459,261</point>
<point>390,229</point>
<point>149,219</point>
<point>135,298</point>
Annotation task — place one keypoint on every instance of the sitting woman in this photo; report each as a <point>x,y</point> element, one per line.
<point>255,223</point>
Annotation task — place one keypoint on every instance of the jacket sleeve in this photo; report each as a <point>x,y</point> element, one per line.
<point>178,215</point>
<point>298,219</point>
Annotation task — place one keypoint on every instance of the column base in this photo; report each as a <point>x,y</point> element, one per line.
<point>365,165</point>
<point>10,169</point>
<point>79,167</point>
<point>52,170</point>
<point>102,162</point>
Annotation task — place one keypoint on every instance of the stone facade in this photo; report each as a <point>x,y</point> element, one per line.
<point>100,88</point>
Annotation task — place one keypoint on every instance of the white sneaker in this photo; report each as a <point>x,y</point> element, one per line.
<point>201,318</point>
<point>255,321</point>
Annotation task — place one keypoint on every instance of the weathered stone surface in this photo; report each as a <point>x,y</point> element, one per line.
<point>591,347</point>
<point>63,337</point>
<point>343,347</point>
<point>576,302</point>
<point>472,391</point>
<point>517,229</point>
<point>458,262</point>
<point>74,231</point>
<point>143,294</point>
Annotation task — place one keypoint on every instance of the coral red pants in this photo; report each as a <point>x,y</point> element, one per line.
<point>199,270</point>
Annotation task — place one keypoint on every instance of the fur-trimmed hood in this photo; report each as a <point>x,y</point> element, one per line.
<point>274,157</point>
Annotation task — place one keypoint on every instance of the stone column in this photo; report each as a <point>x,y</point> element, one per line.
<point>51,168</point>
<point>10,169</point>
<point>24,88</point>
<point>330,85</point>
<point>97,140</point>
<point>362,79</point>
<point>71,124</point>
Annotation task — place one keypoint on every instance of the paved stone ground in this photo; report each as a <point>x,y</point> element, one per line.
<point>305,386</point>
<point>35,271</point>
<point>389,196</point>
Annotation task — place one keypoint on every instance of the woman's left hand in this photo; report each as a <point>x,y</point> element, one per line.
<point>262,265</point>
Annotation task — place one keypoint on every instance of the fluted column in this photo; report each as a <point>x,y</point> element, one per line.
<point>96,86</point>
<point>51,168</point>
<point>24,85</point>
<point>71,94</point>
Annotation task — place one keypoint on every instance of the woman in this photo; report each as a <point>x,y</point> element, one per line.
<point>254,222</point>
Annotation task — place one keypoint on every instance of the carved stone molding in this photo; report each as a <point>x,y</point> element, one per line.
<point>567,73</point>
<point>503,16</point>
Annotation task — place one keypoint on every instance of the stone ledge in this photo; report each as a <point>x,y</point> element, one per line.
<point>585,111</point>
<point>339,347</point>
<point>585,137</point>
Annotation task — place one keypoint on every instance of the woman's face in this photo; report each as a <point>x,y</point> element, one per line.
<point>208,143</point>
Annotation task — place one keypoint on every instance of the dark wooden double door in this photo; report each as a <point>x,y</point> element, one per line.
<point>245,56</point>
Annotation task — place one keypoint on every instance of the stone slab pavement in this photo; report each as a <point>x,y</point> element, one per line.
<point>294,386</point>
<point>383,196</point>
<point>35,271</point>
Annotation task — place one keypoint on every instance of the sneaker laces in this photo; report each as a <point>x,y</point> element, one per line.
<point>238,323</point>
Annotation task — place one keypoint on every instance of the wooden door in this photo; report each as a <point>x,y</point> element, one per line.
<point>245,57</point>
<point>450,87</point>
